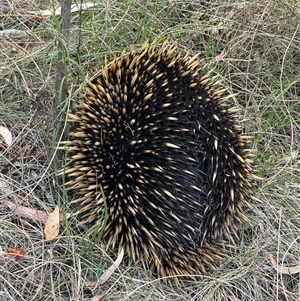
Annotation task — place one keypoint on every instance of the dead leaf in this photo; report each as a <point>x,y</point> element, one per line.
<point>98,297</point>
<point>52,225</point>
<point>6,134</point>
<point>74,8</point>
<point>14,32</point>
<point>36,215</point>
<point>107,273</point>
<point>288,158</point>
<point>220,56</point>
<point>2,253</point>
<point>232,298</point>
<point>16,253</point>
<point>4,188</point>
<point>282,269</point>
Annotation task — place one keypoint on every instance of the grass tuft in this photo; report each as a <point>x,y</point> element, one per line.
<point>253,45</point>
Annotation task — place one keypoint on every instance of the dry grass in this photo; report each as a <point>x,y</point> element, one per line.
<point>253,45</point>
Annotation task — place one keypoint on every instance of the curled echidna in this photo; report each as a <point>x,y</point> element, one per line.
<point>160,140</point>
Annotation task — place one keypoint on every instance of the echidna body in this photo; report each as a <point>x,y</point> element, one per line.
<point>161,139</point>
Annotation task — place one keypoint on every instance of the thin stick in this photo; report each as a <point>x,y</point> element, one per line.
<point>61,78</point>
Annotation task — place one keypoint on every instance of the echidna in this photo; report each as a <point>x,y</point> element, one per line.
<point>162,142</point>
